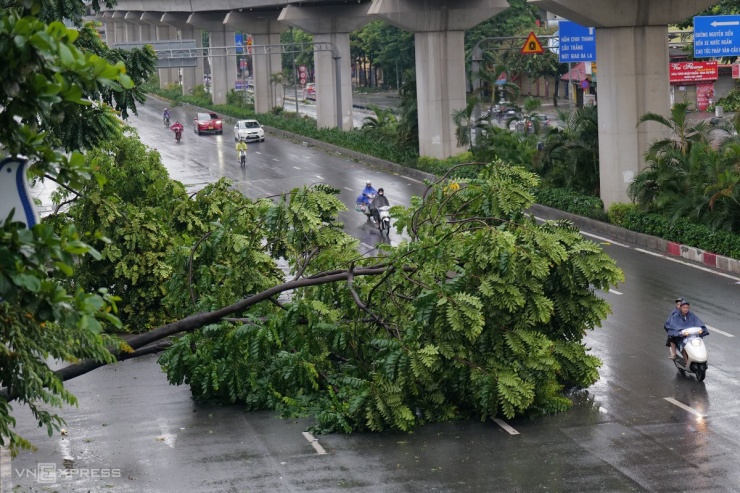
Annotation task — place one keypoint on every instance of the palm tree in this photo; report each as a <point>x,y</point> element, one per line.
<point>466,121</point>
<point>276,79</point>
<point>384,122</point>
<point>684,132</point>
<point>570,157</point>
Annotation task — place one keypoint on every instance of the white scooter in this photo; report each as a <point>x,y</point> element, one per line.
<point>695,359</point>
<point>385,219</point>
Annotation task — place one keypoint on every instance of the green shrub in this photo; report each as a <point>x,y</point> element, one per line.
<point>441,166</point>
<point>731,102</point>
<point>696,235</point>
<point>573,202</point>
<point>617,212</point>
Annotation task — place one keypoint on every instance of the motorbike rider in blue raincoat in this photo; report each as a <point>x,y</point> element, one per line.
<point>681,320</point>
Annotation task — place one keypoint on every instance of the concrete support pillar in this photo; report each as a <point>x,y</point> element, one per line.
<point>148,32</point>
<point>330,24</point>
<point>326,81</point>
<point>119,27</point>
<point>440,90</point>
<point>133,28</point>
<point>439,29</point>
<point>265,30</point>
<point>632,55</point>
<point>191,76</point>
<point>223,68</point>
<point>633,80</point>
<point>110,27</point>
<point>161,33</point>
<point>266,94</point>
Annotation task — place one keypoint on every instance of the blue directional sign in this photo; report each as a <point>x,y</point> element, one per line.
<point>239,43</point>
<point>716,36</point>
<point>576,43</point>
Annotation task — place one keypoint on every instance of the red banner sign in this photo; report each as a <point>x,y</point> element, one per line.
<point>682,72</point>
<point>735,71</point>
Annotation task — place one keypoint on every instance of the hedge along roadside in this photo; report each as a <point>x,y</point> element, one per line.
<point>584,211</point>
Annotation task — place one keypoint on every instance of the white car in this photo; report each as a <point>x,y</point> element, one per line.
<point>249,130</point>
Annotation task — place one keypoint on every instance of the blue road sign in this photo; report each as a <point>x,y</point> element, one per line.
<point>716,36</point>
<point>576,43</point>
<point>239,43</point>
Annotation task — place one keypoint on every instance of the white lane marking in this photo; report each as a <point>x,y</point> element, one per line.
<point>274,159</point>
<point>714,329</point>
<point>367,246</point>
<point>347,188</point>
<point>319,177</point>
<point>614,291</point>
<point>412,179</point>
<point>314,443</point>
<point>505,426</point>
<point>257,152</point>
<point>296,167</point>
<point>306,157</point>
<point>672,259</point>
<point>685,407</point>
<point>6,472</point>
<point>605,240</point>
<point>166,437</point>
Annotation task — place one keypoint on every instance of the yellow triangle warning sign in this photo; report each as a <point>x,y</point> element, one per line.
<point>532,46</point>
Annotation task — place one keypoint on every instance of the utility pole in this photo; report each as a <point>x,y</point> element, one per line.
<point>295,79</point>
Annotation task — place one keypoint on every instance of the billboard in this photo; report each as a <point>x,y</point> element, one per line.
<point>688,72</point>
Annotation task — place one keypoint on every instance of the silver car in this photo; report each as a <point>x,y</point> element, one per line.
<point>249,130</point>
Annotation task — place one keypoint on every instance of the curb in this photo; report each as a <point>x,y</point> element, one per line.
<point>671,248</point>
<point>686,252</point>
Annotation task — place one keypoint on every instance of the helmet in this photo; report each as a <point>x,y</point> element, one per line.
<point>679,300</point>
<point>380,190</point>
<point>685,302</point>
<point>165,109</point>
<point>367,183</point>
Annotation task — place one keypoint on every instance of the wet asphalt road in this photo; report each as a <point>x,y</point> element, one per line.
<point>641,427</point>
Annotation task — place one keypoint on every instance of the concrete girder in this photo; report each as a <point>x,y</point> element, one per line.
<point>265,29</point>
<point>223,68</point>
<point>154,18</point>
<point>436,15</point>
<point>134,16</point>
<point>191,76</point>
<point>330,24</point>
<point>624,13</point>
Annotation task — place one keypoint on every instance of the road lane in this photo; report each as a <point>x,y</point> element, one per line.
<point>625,433</point>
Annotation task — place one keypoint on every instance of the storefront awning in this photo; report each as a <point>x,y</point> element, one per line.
<point>576,74</point>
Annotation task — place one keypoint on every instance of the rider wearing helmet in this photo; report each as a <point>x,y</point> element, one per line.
<point>380,200</point>
<point>166,115</point>
<point>682,320</point>
<point>369,190</point>
<point>241,146</point>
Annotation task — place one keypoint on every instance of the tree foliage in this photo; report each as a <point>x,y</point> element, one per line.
<point>51,84</point>
<point>690,175</point>
<point>480,313</point>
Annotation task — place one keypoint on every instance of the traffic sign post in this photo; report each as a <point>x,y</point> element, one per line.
<point>716,36</point>
<point>577,43</point>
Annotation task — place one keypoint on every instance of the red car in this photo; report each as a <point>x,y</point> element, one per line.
<point>208,122</point>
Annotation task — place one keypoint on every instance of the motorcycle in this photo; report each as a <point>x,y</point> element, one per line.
<point>696,356</point>
<point>243,158</point>
<point>166,120</point>
<point>178,135</point>
<point>385,219</point>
